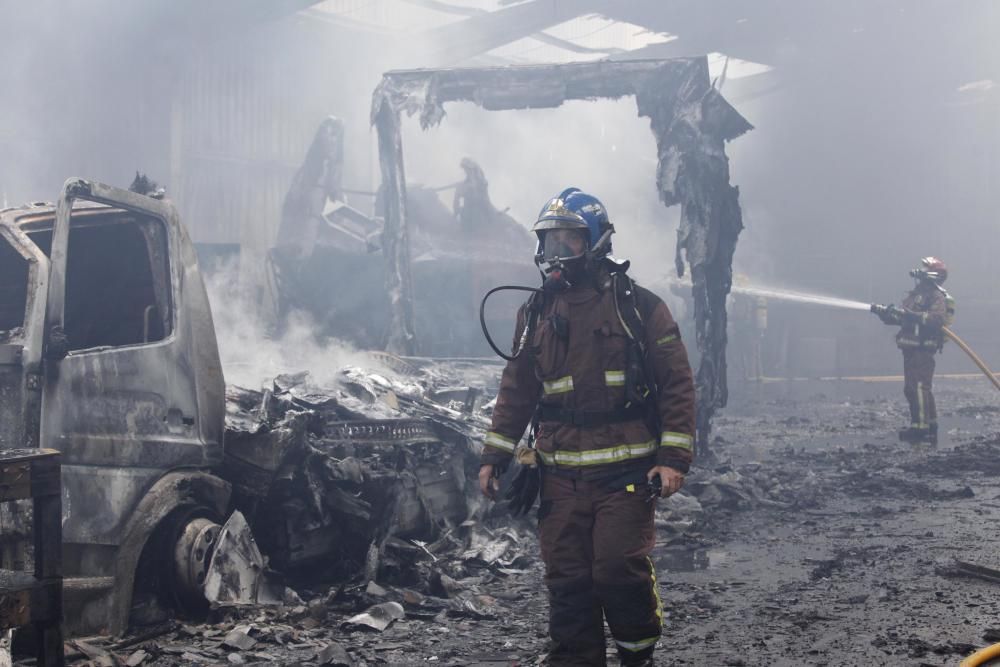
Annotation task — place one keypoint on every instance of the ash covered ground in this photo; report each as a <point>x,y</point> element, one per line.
<point>817,538</point>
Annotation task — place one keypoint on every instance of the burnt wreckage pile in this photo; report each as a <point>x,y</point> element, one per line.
<point>691,122</point>
<point>339,481</point>
<point>352,482</point>
<point>372,478</point>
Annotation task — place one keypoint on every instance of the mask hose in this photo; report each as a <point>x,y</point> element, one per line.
<point>527,325</point>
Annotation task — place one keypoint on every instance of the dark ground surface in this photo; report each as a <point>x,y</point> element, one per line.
<point>819,540</point>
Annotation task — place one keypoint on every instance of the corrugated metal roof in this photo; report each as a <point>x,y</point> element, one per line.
<point>594,37</point>
<point>585,38</point>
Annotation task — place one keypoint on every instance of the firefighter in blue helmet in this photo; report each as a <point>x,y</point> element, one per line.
<point>608,389</point>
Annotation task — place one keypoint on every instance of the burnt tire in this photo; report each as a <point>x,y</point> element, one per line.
<point>172,566</point>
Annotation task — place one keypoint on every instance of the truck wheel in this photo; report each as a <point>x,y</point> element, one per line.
<point>173,565</point>
<point>193,550</point>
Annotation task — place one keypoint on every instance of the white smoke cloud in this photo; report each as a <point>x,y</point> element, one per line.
<point>253,353</point>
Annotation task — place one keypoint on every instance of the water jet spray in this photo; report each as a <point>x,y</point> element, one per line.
<point>848,304</point>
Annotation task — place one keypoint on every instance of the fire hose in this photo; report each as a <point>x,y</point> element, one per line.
<point>975,359</point>
<point>981,657</point>
<point>893,315</point>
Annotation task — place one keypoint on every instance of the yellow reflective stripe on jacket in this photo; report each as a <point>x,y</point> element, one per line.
<point>682,440</point>
<point>669,338</point>
<point>640,645</point>
<point>494,439</point>
<point>596,457</point>
<point>614,378</point>
<point>910,342</point>
<point>560,386</point>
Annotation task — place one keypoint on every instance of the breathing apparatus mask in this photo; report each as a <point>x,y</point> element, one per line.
<point>931,270</point>
<point>562,257</point>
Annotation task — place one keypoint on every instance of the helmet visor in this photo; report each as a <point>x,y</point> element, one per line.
<point>563,244</point>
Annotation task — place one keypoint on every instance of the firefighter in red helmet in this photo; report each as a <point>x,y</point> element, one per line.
<point>925,311</point>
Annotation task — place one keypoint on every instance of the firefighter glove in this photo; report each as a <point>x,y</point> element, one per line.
<point>888,314</point>
<point>524,488</point>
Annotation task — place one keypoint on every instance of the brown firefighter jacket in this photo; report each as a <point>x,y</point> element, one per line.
<point>576,361</point>
<point>936,309</point>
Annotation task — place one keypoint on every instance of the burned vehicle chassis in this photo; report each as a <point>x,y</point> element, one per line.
<point>110,357</point>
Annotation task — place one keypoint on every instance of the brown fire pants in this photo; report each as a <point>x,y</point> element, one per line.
<point>595,542</point>
<point>918,376</point>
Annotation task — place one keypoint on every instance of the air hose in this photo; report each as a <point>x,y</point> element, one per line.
<point>979,362</point>
<point>982,656</point>
<point>524,334</point>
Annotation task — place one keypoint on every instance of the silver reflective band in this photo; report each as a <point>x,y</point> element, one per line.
<point>560,386</point>
<point>614,378</point>
<point>681,440</point>
<point>500,442</point>
<point>639,645</point>
<point>599,456</point>
<point>922,418</point>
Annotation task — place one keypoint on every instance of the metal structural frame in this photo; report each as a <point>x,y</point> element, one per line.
<point>691,122</point>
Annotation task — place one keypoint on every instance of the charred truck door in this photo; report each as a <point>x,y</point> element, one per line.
<point>24,273</point>
<point>132,393</point>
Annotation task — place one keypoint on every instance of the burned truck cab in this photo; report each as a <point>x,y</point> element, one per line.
<point>108,354</point>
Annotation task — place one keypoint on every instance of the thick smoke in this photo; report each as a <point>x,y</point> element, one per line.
<point>876,143</point>
<point>253,353</point>
<point>602,146</point>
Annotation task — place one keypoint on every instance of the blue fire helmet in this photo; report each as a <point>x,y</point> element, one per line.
<point>573,209</point>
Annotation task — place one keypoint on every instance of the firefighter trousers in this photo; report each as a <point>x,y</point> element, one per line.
<point>595,542</point>
<point>918,377</point>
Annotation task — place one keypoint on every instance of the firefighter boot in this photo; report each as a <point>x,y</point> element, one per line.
<point>932,433</point>
<point>915,434</point>
<point>644,659</point>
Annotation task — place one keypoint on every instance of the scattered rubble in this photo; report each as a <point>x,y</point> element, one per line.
<point>817,526</point>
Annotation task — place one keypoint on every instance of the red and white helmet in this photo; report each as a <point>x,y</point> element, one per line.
<point>934,269</point>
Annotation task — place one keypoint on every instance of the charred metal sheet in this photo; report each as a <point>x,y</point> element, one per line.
<point>691,122</point>
<point>317,180</point>
<point>236,574</point>
<point>22,311</point>
<point>395,233</point>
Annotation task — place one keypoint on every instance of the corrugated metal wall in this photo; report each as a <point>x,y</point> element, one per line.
<point>237,138</point>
